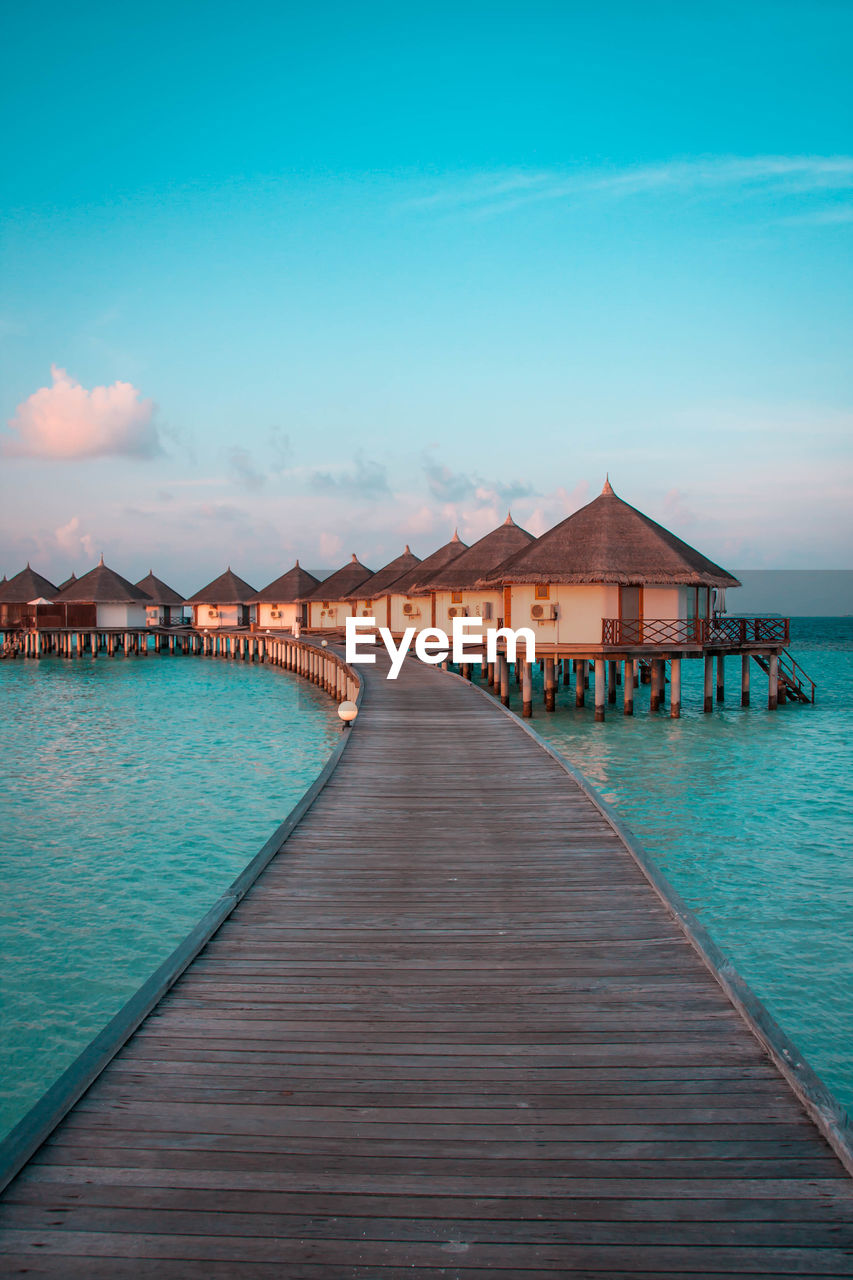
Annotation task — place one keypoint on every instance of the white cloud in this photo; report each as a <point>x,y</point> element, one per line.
<point>753,176</point>
<point>70,539</point>
<point>66,421</point>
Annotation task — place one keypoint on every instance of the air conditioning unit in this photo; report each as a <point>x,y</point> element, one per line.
<point>213,613</point>
<point>457,611</point>
<point>275,613</point>
<point>330,613</point>
<point>366,613</point>
<point>411,610</point>
<point>543,612</point>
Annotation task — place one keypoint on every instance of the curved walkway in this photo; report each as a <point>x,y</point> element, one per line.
<point>451,1031</point>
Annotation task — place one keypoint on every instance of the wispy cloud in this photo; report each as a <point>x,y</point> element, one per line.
<point>66,421</point>
<point>243,471</point>
<point>366,478</point>
<point>489,194</point>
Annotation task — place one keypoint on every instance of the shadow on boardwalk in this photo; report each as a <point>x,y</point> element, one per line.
<point>452,1031</point>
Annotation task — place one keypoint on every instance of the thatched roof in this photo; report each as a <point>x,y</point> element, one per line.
<point>103,585</point>
<point>425,568</point>
<point>291,588</point>
<point>159,592</point>
<point>26,586</point>
<point>465,571</point>
<point>344,580</point>
<point>610,541</point>
<point>68,581</point>
<point>226,589</point>
<point>383,579</point>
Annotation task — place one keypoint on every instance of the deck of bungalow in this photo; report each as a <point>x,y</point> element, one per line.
<point>454,1029</point>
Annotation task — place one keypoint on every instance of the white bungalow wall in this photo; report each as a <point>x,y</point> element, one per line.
<point>121,615</point>
<point>419,613</point>
<point>487,605</point>
<point>288,615</point>
<point>212,616</point>
<point>328,615</point>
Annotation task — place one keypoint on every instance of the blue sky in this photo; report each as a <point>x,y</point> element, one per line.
<point>334,278</point>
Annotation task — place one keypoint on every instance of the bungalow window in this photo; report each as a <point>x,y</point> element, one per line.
<point>543,591</point>
<point>456,597</point>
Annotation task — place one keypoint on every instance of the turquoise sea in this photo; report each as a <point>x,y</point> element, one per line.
<point>136,789</point>
<point>749,813</point>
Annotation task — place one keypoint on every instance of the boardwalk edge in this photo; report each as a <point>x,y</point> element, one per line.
<point>24,1140</point>
<point>821,1105</point>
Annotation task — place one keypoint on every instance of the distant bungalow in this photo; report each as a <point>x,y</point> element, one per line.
<point>103,598</point>
<point>456,589</point>
<point>283,604</point>
<point>17,596</point>
<point>164,602</point>
<point>225,602</point>
<point>371,598</point>
<point>329,606</point>
<point>607,563</point>
<point>407,609</point>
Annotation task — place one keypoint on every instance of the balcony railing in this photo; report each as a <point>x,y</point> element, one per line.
<point>705,632</point>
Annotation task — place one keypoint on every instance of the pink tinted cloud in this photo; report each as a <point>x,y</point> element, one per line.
<point>66,421</point>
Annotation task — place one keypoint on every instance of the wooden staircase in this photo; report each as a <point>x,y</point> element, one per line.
<point>792,679</point>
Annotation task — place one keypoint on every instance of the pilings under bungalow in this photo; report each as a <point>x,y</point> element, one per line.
<point>608,670</point>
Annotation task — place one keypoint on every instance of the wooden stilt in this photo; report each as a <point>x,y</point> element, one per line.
<point>526,689</point>
<point>600,687</point>
<point>744,679</point>
<point>773,682</point>
<point>721,677</point>
<point>709,682</point>
<point>675,688</point>
<point>611,682</point>
<point>579,684</point>
<point>504,680</point>
<point>550,683</point>
<point>655,692</point>
<point>628,697</point>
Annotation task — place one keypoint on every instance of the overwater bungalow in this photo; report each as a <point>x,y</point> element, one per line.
<point>225,602</point>
<point>329,606</point>
<point>609,573</point>
<point>371,598</point>
<point>17,596</point>
<point>283,605</point>
<point>456,591</point>
<point>103,599</point>
<point>407,609</point>
<point>167,606</point>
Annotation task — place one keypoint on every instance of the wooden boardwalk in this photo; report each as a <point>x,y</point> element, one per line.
<point>451,1031</point>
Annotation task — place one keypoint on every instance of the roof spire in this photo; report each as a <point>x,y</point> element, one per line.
<point>296,566</point>
<point>407,552</point>
<point>509,519</point>
<point>607,488</point>
<point>455,537</point>
<point>101,561</point>
<point>354,558</point>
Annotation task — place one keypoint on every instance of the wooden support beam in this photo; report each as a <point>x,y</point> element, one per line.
<point>526,689</point>
<point>773,682</point>
<point>611,682</point>
<point>675,688</point>
<point>579,683</point>
<point>721,677</point>
<point>504,680</point>
<point>628,699</point>
<point>656,682</point>
<point>708,704</point>
<point>550,685</point>
<point>744,679</point>
<point>600,687</point>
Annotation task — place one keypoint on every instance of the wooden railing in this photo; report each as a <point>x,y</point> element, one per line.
<point>705,632</point>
